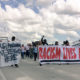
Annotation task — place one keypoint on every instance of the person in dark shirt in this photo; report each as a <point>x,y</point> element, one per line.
<point>35,51</point>
<point>44,41</point>
<point>67,43</point>
<point>56,43</point>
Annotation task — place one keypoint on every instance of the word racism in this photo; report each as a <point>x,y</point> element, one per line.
<point>59,53</point>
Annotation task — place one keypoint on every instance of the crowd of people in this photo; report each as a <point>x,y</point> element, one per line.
<point>25,51</point>
<point>31,50</point>
<point>65,43</point>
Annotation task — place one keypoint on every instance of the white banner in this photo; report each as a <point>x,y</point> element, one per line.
<point>9,53</point>
<point>59,54</point>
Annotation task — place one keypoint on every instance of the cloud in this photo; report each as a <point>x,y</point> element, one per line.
<point>54,17</point>
<point>43,3</point>
<point>73,34</point>
<point>60,31</point>
<point>68,22</point>
<point>69,7</point>
<point>22,20</point>
<point>29,3</point>
<point>4,0</point>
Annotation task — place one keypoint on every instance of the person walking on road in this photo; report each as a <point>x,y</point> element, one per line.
<point>22,51</point>
<point>15,63</point>
<point>35,51</point>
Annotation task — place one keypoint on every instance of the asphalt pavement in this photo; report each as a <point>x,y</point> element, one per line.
<point>30,70</point>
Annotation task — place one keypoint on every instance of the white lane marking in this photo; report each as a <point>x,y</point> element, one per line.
<point>2,75</point>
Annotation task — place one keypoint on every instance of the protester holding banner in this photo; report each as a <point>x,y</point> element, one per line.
<point>56,43</point>
<point>67,43</point>
<point>15,60</point>
<point>64,43</point>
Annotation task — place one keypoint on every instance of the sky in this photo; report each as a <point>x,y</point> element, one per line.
<point>28,20</point>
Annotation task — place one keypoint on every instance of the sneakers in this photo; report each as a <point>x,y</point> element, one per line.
<point>16,65</point>
<point>11,65</point>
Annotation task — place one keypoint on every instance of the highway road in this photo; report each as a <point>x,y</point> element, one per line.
<point>30,70</point>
